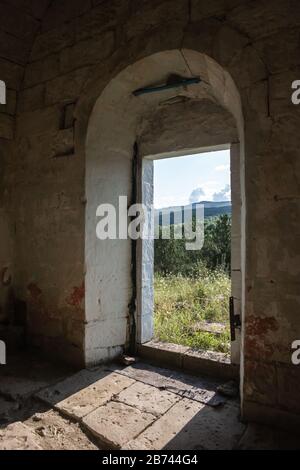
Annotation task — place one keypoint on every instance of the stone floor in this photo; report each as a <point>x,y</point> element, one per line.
<point>118,407</point>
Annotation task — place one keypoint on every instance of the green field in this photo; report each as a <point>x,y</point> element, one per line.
<point>183,305</point>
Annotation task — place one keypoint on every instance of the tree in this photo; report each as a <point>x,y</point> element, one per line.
<point>171,256</point>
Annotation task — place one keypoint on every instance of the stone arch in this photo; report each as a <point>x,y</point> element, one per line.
<point>111,133</point>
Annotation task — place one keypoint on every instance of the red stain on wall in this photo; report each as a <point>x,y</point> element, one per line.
<point>261,326</point>
<point>257,349</point>
<point>77,296</point>
<point>34,291</point>
<point>256,344</point>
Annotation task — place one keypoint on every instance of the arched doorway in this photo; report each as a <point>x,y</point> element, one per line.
<point>114,127</point>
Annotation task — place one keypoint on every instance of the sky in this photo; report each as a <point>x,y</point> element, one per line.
<point>194,178</point>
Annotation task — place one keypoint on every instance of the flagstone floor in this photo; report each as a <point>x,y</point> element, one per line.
<point>118,407</point>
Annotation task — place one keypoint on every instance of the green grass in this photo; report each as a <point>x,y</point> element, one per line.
<point>181,303</point>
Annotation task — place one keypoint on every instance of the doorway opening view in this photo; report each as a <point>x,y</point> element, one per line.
<point>192,288</point>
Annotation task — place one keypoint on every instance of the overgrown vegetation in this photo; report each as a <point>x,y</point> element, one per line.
<point>171,256</point>
<point>192,288</point>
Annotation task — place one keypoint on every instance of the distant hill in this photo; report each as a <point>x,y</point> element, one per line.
<point>211,209</point>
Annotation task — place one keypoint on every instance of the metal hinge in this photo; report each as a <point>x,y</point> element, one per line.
<point>235,320</point>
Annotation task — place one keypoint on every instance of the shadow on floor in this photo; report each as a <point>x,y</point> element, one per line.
<point>43,405</point>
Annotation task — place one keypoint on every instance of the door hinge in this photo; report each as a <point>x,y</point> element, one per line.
<point>132,303</point>
<point>235,320</point>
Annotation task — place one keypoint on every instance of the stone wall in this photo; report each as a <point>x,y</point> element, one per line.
<point>78,47</point>
<point>20,22</point>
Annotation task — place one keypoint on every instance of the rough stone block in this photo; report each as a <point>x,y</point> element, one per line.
<point>247,68</point>
<point>17,436</point>
<point>148,399</point>
<point>256,102</point>
<point>283,141</point>
<point>260,382</point>
<point>66,87</point>
<point>38,122</point>
<point>53,41</point>
<point>11,74</point>
<point>259,437</point>
<point>87,52</point>
<point>89,398</point>
<point>289,387</point>
<point>20,387</point>
<point>202,390</point>
<point>55,144</point>
<point>6,126</point>
<point>279,189</point>
<point>32,98</point>
<point>209,363</point>
<point>203,34</point>
<point>60,350</point>
<point>62,143</point>
<point>75,332</point>
<point>280,51</point>
<point>14,49</point>
<point>17,22</point>
<point>61,12</point>
<point>45,326</point>
<point>70,385</point>
<point>101,18</point>
<point>191,426</point>
<point>169,355</point>
<point>146,16</point>
<point>115,424</point>
<point>202,9</point>
<point>227,44</point>
<point>42,70</point>
<point>35,8</point>
<point>107,333</point>
<point>96,356</point>
<point>271,416</point>
<point>259,19</point>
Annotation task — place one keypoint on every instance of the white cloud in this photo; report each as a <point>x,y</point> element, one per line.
<point>222,168</point>
<point>196,195</point>
<point>223,195</point>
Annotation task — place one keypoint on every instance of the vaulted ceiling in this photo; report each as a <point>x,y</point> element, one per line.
<point>21,20</point>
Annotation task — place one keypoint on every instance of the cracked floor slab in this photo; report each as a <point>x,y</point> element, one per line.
<point>75,398</point>
<point>203,389</point>
<point>147,398</point>
<point>115,423</point>
<point>134,407</point>
<point>194,426</point>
